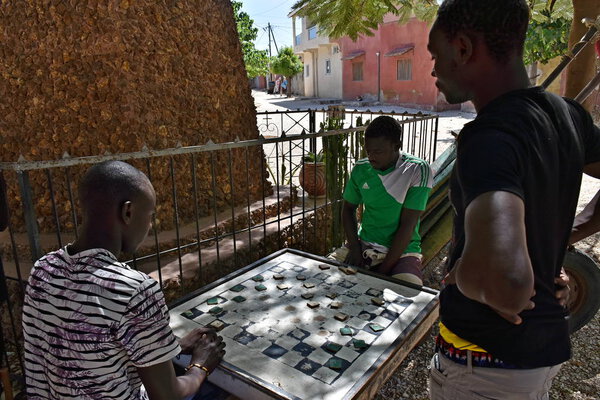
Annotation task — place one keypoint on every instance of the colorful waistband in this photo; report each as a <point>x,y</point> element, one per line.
<point>478,358</point>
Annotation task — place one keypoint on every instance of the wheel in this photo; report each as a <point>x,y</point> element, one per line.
<point>584,281</point>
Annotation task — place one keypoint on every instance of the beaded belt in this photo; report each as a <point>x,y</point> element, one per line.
<point>478,358</point>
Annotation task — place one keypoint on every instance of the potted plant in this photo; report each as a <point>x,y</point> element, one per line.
<point>312,174</point>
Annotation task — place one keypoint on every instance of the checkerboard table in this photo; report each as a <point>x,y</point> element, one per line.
<point>298,326</point>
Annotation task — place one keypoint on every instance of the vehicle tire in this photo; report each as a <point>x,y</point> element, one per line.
<point>584,281</point>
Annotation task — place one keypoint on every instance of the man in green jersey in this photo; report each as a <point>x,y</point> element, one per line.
<point>393,188</point>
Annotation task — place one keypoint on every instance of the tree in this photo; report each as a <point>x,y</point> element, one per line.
<point>288,64</point>
<point>548,31</point>
<point>256,61</point>
<point>337,18</point>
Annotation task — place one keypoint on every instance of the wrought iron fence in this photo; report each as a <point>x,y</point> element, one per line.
<point>217,207</point>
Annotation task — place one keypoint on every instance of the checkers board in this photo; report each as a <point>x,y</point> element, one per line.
<point>299,326</point>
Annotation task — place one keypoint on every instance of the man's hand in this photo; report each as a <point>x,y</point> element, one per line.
<point>355,256</point>
<point>188,343</point>
<point>208,351</point>
<point>562,288</point>
<point>513,318</point>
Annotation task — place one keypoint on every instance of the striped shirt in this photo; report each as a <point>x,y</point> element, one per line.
<point>89,321</point>
<point>385,194</point>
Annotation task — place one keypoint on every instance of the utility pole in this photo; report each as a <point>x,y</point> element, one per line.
<point>272,34</point>
<point>270,55</point>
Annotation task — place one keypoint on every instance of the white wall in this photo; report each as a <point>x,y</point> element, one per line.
<point>329,85</point>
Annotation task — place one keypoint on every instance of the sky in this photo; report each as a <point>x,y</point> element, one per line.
<point>274,12</point>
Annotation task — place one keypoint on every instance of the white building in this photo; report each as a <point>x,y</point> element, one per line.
<point>321,57</point>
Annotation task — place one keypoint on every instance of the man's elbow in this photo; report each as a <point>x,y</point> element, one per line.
<point>511,293</point>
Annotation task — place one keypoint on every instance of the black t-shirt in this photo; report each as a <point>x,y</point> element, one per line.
<point>534,144</point>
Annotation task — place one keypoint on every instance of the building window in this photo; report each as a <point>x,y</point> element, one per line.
<point>327,67</point>
<point>404,70</point>
<point>357,71</point>
<point>312,32</point>
<point>336,49</point>
<point>307,69</point>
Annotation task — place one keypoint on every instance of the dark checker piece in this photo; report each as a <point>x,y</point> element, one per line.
<point>346,331</point>
<point>239,299</point>
<point>212,301</point>
<point>188,314</point>
<point>333,347</point>
<point>215,310</point>
<point>238,288</point>
<point>258,278</point>
<point>376,327</point>
<point>260,287</point>
<point>335,363</point>
<point>359,344</point>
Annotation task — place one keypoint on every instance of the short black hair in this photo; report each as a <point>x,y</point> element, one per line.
<point>111,183</point>
<point>385,126</point>
<point>502,23</point>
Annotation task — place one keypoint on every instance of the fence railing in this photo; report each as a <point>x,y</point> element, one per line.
<point>220,206</point>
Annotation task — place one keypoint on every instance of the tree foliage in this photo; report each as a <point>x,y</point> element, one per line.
<point>286,63</point>
<point>547,35</point>
<point>256,61</point>
<point>337,18</point>
<point>547,38</point>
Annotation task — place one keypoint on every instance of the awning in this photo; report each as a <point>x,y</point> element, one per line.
<point>353,55</point>
<point>398,51</point>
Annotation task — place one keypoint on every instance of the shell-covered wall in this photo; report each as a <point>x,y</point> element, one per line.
<point>89,77</point>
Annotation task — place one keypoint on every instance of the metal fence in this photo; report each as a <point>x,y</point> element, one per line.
<point>219,207</point>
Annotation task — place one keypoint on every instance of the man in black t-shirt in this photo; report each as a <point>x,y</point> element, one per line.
<point>515,186</point>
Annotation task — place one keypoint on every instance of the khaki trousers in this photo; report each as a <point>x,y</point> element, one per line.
<point>452,381</point>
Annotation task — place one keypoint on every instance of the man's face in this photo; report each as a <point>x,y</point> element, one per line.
<point>382,152</point>
<point>142,213</point>
<point>445,68</point>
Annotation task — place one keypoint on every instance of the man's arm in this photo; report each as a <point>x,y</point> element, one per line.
<point>351,231</point>
<point>162,384</point>
<point>588,221</point>
<point>207,350</point>
<point>406,227</point>
<point>495,268</point>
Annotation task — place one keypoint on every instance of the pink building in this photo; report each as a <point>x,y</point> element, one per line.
<point>393,66</point>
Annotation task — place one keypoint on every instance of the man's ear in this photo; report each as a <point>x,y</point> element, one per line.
<point>126,211</point>
<point>464,46</point>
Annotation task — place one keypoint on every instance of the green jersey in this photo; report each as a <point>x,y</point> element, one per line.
<point>385,193</point>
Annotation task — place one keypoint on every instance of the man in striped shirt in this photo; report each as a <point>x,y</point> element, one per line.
<point>394,188</point>
<point>93,327</point>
